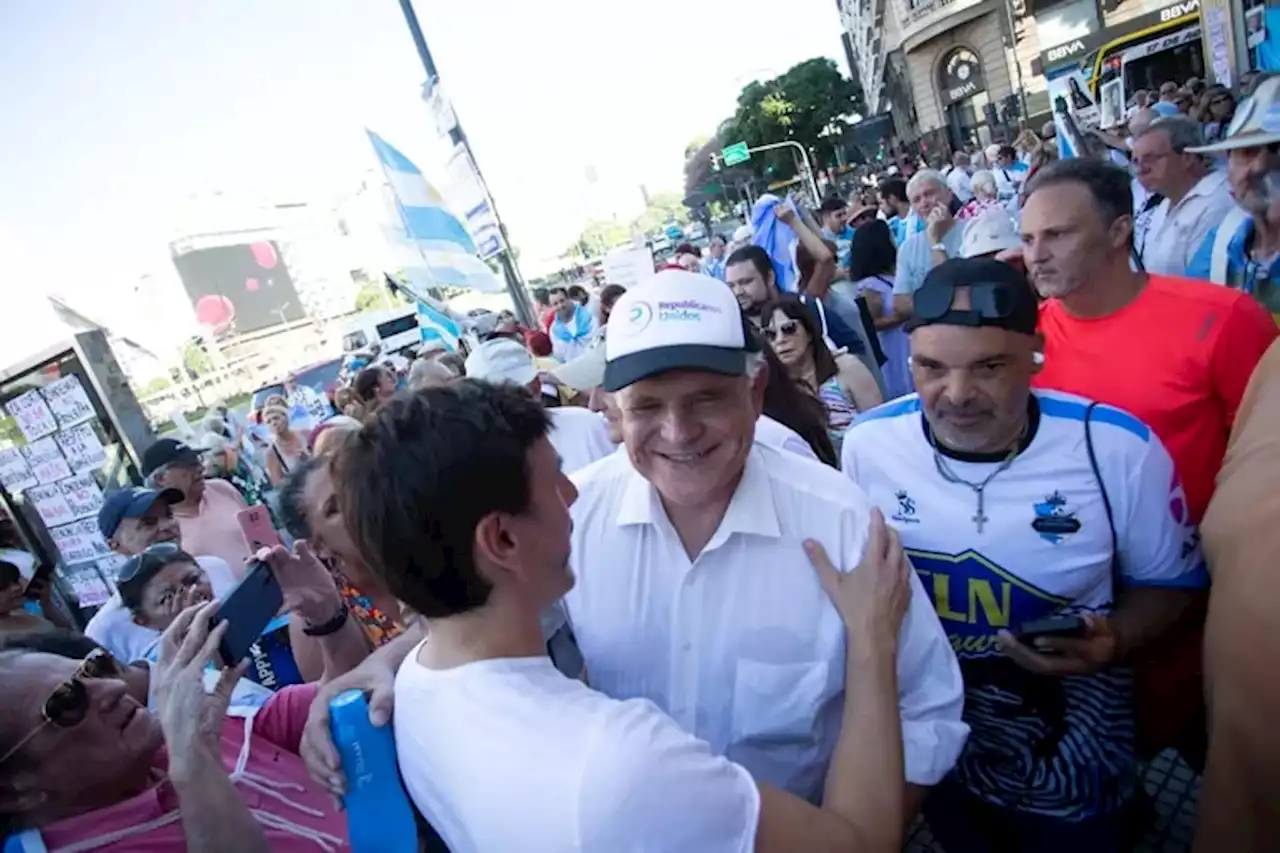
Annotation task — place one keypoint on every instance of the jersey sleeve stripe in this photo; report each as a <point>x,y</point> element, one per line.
<point>1061,407</point>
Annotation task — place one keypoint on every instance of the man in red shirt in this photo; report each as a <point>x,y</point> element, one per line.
<point>1176,353</point>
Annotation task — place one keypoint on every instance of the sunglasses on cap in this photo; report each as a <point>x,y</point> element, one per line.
<point>785,330</point>
<point>988,300</point>
<point>68,705</point>
<point>150,560</point>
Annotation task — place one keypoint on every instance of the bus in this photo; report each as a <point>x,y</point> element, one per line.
<point>396,329</point>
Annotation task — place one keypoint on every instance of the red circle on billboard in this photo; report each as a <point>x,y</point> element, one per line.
<point>215,310</point>
<point>265,254</point>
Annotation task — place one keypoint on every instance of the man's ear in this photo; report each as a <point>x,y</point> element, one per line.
<point>494,545</point>
<point>1122,231</point>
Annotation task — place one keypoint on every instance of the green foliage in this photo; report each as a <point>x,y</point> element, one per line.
<point>601,235</point>
<point>195,359</point>
<point>156,385</point>
<point>373,295</point>
<point>797,106</point>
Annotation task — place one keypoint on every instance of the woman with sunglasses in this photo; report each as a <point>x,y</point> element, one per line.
<point>84,765</point>
<point>845,388</point>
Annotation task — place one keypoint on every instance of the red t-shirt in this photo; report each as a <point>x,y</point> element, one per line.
<point>1178,357</point>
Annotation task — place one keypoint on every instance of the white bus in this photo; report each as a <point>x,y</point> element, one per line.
<point>395,329</point>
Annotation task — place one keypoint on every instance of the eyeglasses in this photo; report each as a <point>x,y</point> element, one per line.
<point>784,330</point>
<point>149,560</point>
<point>1150,161</point>
<point>68,705</point>
<point>988,300</point>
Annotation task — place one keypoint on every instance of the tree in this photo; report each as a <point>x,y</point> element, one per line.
<point>196,359</point>
<point>601,235</point>
<point>373,295</point>
<point>799,105</point>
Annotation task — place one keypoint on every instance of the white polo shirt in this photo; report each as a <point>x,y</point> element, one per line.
<point>741,646</point>
<point>113,628</point>
<point>1175,232</point>
<point>779,436</point>
<point>579,436</point>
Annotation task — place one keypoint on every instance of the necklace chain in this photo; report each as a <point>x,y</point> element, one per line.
<point>979,489</point>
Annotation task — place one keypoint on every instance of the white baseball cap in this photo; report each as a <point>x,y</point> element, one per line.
<point>677,320</point>
<point>584,372</point>
<point>501,360</point>
<point>988,233</point>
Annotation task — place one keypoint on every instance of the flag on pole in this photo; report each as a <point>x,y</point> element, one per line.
<point>435,325</point>
<point>440,238</point>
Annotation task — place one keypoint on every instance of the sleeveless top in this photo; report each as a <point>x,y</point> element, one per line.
<point>840,409</point>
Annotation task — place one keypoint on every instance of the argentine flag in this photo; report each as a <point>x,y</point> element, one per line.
<point>440,237</point>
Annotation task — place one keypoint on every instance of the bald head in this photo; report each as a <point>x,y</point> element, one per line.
<point>1141,120</point>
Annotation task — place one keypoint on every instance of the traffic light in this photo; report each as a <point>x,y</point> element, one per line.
<point>715,162</point>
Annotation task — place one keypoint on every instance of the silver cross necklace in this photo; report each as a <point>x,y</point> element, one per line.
<point>979,489</point>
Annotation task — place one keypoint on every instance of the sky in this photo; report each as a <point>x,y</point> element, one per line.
<point>114,117</point>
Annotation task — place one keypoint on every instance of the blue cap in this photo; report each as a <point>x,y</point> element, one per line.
<point>1165,109</point>
<point>130,503</point>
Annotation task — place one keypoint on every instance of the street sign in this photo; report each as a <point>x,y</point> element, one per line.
<point>735,154</point>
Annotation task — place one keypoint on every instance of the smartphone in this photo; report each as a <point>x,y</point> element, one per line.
<point>247,610</point>
<point>1054,626</point>
<point>255,523</point>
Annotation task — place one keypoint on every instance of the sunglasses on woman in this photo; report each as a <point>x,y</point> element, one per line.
<point>68,705</point>
<point>784,330</point>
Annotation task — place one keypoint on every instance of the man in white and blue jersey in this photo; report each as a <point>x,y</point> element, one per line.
<point>1017,506</point>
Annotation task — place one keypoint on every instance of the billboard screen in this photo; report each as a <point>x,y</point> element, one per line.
<point>238,289</point>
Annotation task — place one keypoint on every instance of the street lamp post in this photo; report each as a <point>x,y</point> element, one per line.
<point>515,284</point>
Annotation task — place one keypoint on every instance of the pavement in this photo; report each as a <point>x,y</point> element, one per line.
<point>1174,792</point>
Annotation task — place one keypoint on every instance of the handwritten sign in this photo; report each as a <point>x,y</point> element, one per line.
<point>110,567</point>
<point>68,400</point>
<point>89,587</point>
<point>82,495</point>
<point>72,544</point>
<point>81,447</point>
<point>15,474</point>
<point>32,414</point>
<point>50,504</point>
<point>45,460</point>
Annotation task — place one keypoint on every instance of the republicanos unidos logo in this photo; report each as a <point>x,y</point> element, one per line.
<point>638,317</point>
<point>975,598</point>
<point>685,309</point>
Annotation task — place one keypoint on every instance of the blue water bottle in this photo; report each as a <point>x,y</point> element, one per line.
<point>379,816</point>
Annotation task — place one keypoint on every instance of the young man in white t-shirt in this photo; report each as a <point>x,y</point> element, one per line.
<point>457,498</point>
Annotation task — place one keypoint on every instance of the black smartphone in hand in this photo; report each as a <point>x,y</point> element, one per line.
<point>247,610</point>
<point>1054,626</point>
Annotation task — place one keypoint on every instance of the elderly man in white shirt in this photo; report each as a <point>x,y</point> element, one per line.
<point>1196,198</point>
<point>692,587</point>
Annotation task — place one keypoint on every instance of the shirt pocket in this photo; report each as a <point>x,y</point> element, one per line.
<point>777,702</point>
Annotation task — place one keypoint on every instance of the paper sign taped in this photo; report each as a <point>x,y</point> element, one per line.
<point>68,400</point>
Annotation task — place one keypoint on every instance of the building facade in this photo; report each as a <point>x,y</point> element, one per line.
<point>977,70</point>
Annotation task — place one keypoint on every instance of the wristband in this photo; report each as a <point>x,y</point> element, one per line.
<point>334,625</point>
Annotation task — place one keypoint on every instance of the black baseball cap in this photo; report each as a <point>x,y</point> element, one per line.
<point>168,451</point>
<point>999,296</point>
<point>130,503</point>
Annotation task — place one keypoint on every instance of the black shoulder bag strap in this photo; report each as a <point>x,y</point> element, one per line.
<point>1106,503</point>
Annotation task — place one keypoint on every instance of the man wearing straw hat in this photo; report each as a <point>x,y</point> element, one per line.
<point>1243,251</point>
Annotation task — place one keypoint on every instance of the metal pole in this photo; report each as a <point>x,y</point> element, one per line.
<point>804,155</point>
<point>515,283</point>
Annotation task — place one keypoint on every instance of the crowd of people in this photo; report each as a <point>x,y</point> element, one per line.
<point>768,552</point>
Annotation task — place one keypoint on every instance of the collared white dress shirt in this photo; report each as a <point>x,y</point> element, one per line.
<point>1176,231</point>
<point>741,646</point>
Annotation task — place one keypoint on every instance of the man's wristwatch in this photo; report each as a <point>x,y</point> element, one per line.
<point>334,625</point>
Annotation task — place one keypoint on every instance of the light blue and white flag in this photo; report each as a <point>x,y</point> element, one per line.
<point>434,320</point>
<point>440,237</point>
